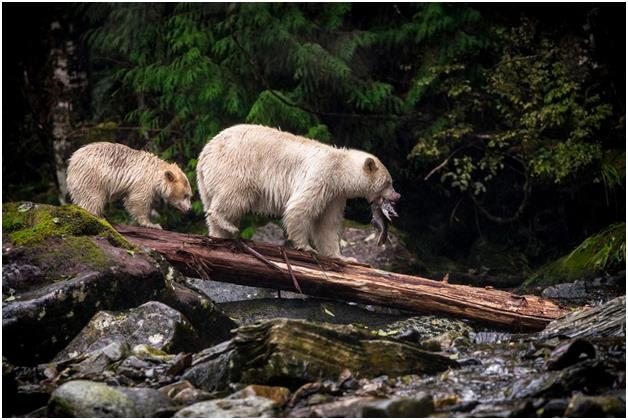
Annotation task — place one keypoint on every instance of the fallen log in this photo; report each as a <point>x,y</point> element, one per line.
<point>265,265</point>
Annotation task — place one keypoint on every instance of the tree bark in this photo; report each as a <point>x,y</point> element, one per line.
<point>68,82</point>
<point>265,265</point>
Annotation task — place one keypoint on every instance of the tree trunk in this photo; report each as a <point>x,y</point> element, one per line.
<point>67,91</point>
<point>265,265</point>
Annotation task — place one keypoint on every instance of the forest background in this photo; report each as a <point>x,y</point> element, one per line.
<point>503,125</point>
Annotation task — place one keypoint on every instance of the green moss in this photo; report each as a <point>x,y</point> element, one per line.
<point>602,253</point>
<point>29,224</point>
<point>81,251</point>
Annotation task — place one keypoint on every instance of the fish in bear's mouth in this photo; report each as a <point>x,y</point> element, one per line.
<point>382,215</point>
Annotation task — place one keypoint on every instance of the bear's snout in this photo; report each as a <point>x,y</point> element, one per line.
<point>394,196</point>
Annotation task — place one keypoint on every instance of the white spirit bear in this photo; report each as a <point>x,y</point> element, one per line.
<point>102,172</point>
<point>256,169</point>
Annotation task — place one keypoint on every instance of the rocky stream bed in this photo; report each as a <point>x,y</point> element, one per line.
<point>94,327</point>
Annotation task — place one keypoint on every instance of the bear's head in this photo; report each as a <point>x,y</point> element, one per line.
<point>379,182</point>
<point>177,191</point>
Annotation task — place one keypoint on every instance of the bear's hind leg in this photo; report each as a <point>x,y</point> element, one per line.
<point>222,223</point>
<point>93,203</point>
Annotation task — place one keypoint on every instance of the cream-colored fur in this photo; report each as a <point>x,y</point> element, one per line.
<point>102,172</point>
<point>251,168</point>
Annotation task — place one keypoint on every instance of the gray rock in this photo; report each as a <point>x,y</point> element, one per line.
<point>420,405</point>
<point>361,243</point>
<point>575,290</point>
<point>230,408</point>
<point>148,402</point>
<point>270,233</point>
<point>90,399</point>
<point>596,406</point>
<point>152,323</point>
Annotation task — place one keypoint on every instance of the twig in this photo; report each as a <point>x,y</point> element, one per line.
<point>294,279</point>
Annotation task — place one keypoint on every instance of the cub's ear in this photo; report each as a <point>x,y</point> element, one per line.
<point>170,176</point>
<point>369,165</point>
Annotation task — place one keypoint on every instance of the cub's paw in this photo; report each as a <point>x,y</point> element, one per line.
<point>152,225</point>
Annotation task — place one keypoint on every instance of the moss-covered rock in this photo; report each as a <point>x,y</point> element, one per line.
<point>61,265</point>
<point>29,224</point>
<point>602,253</point>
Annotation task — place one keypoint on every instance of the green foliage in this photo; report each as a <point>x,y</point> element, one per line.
<point>600,254</point>
<point>532,111</point>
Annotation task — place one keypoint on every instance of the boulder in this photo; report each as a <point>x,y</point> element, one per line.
<point>61,265</point>
<point>293,352</point>
<point>152,323</point>
<point>90,399</point>
<point>94,399</point>
<point>230,408</point>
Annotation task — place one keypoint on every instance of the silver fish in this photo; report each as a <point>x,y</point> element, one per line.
<point>382,216</point>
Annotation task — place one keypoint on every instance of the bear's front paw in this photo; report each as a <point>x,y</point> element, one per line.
<point>306,248</point>
<point>349,259</point>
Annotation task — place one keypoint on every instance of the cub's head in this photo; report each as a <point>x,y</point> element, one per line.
<point>177,191</point>
<point>379,182</point>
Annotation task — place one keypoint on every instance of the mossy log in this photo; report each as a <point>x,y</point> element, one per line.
<point>265,265</point>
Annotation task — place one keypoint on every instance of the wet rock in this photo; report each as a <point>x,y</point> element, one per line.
<point>210,370</point>
<point>420,405</point>
<point>211,323</point>
<point>569,353</point>
<point>183,393</point>
<point>148,402</point>
<point>230,408</point>
<point>350,407</point>
<point>440,331</point>
<point>316,310</point>
<point>279,394</point>
<point>293,352</point>
<point>608,319</point>
<point>554,408</point>
<point>152,323</point>
<point>90,399</point>
<point>596,406</point>
<point>566,291</point>
<point>221,292</point>
<point>360,242</point>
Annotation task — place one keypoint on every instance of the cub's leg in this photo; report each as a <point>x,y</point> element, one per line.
<point>139,205</point>
<point>326,229</point>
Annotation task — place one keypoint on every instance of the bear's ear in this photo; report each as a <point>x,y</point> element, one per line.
<point>170,176</point>
<point>369,165</point>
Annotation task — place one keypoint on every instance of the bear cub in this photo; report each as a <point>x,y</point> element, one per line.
<point>252,168</point>
<point>99,173</point>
